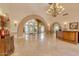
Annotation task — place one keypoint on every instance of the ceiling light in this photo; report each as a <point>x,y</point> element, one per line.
<point>55,9</point>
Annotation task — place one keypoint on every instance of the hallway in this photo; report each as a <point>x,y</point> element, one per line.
<point>44,45</point>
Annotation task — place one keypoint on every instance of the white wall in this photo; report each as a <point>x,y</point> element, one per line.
<point>19,11</point>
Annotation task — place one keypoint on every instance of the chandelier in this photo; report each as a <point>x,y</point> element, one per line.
<point>55,9</point>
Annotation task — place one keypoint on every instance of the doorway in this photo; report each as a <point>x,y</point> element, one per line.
<point>34,29</point>
<point>33,26</point>
<point>56,27</point>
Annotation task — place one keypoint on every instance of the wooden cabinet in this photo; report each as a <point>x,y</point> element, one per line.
<point>69,36</point>
<point>72,36</point>
<point>65,35</point>
<point>6,46</point>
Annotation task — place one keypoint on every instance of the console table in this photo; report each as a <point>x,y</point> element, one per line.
<point>68,36</point>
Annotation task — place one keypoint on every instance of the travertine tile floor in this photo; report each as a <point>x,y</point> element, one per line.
<point>44,45</point>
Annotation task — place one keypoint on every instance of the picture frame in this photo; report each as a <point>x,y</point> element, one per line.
<point>73,25</point>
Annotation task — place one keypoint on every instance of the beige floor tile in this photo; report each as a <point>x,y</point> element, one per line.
<point>46,45</point>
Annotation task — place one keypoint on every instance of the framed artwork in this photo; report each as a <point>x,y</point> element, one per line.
<point>73,25</point>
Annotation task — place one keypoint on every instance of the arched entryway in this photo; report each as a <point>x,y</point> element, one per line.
<point>26,19</point>
<point>55,27</point>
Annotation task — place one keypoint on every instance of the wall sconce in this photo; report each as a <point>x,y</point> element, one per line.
<point>65,25</point>
<point>15,23</point>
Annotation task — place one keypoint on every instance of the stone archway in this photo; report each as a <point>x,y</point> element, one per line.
<point>25,19</point>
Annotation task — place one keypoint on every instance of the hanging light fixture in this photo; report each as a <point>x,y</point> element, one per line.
<point>55,9</point>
